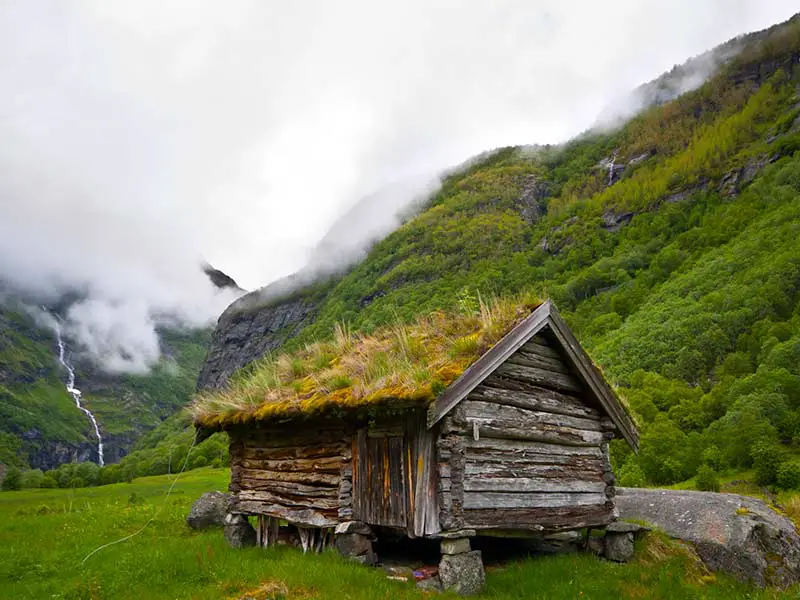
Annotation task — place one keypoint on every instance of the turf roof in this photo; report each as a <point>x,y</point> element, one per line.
<point>408,363</point>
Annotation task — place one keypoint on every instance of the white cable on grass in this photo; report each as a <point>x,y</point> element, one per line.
<point>158,512</point>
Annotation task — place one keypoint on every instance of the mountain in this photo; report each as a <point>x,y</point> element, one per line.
<point>40,424</point>
<point>671,244</point>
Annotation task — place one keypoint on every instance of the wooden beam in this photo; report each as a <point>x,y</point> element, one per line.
<point>531,500</point>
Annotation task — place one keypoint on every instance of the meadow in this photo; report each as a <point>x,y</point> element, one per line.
<point>45,534</point>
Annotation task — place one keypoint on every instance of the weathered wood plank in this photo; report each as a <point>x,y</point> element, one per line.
<point>331,464</point>
<point>500,415</point>
<point>306,451</point>
<point>538,344</point>
<point>587,471</point>
<point>534,398</point>
<point>525,449</point>
<point>299,516</point>
<point>566,436</point>
<point>531,485</point>
<point>528,359</point>
<point>289,501</point>
<point>540,519</point>
<point>531,500</point>
<point>325,479</point>
<point>540,377</point>
<point>293,488</point>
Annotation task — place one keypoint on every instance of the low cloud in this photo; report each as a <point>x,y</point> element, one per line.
<point>138,139</point>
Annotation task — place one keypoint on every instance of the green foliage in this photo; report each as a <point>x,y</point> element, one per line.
<point>631,474</point>
<point>707,479</point>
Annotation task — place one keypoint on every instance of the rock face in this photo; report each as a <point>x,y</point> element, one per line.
<point>209,510</point>
<point>246,331</point>
<point>731,533</point>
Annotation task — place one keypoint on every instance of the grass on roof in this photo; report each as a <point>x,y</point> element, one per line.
<point>406,362</point>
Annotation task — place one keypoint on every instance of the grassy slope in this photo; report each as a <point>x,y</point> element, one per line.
<point>45,534</point>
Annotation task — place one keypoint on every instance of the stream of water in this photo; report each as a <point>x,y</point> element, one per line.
<point>76,393</point>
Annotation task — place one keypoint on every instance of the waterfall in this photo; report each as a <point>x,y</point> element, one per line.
<point>611,169</point>
<point>76,393</point>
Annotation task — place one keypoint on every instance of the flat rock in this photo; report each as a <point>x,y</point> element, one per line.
<point>353,527</point>
<point>731,533</point>
<point>455,546</point>
<point>458,533</point>
<point>625,527</point>
<point>209,510</point>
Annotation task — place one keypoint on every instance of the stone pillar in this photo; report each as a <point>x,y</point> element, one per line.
<point>354,541</point>
<point>461,569</point>
<point>238,531</point>
<point>618,542</point>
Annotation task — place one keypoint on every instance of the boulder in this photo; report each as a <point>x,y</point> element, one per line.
<point>238,532</point>
<point>209,510</point>
<point>462,573</point>
<point>618,546</point>
<point>357,547</point>
<point>731,533</point>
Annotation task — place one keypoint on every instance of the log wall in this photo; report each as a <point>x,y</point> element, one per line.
<point>300,474</point>
<point>526,450</point>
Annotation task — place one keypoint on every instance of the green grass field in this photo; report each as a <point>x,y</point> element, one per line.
<point>45,534</point>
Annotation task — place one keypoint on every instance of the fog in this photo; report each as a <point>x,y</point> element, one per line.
<point>139,139</point>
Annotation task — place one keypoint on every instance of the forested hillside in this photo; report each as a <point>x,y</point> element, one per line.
<point>671,245</point>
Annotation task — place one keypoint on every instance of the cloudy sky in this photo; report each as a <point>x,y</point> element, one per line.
<point>138,138</point>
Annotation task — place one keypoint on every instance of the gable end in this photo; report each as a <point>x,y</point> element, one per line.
<point>545,316</point>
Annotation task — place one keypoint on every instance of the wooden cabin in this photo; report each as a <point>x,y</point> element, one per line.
<point>518,443</point>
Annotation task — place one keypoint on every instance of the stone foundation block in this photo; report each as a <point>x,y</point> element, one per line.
<point>462,573</point>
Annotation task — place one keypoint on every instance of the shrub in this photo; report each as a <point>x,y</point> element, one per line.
<point>31,479</point>
<point>48,482</point>
<point>707,479</point>
<point>12,480</point>
<point>789,475</point>
<point>767,457</point>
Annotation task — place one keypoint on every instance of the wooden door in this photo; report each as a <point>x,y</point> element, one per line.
<point>380,483</point>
